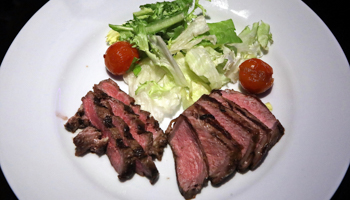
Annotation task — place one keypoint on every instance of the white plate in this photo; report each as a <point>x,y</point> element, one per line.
<point>57,57</point>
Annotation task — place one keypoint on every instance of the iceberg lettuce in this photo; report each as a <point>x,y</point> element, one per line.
<point>183,56</point>
<point>200,62</point>
<point>255,42</point>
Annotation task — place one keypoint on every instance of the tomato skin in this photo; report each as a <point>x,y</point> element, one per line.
<point>255,75</point>
<point>119,57</point>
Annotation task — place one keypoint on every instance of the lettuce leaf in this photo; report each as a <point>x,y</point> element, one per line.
<point>224,31</point>
<point>200,62</point>
<point>155,90</point>
<point>183,56</point>
<point>188,38</point>
<point>255,43</point>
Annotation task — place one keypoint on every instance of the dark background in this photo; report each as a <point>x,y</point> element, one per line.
<point>15,13</point>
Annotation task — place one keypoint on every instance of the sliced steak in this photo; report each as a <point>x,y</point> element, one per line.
<point>137,127</point>
<point>90,140</point>
<point>261,147</point>
<point>235,125</point>
<point>144,163</point>
<point>121,157</point>
<point>191,163</point>
<point>78,121</point>
<point>110,88</point>
<point>256,107</point>
<point>222,154</point>
<point>159,138</point>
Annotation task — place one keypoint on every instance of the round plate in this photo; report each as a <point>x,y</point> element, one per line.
<point>57,57</point>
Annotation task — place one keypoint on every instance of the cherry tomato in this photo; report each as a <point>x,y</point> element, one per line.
<point>255,75</point>
<point>119,57</point>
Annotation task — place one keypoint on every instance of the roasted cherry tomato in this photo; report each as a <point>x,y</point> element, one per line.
<point>255,75</point>
<point>119,57</point>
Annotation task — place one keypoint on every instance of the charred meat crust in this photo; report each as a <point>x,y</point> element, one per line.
<point>277,131</point>
<point>120,156</point>
<point>245,158</point>
<point>210,119</point>
<point>109,88</point>
<point>144,165</point>
<point>261,148</point>
<point>159,138</point>
<point>159,143</point>
<point>90,140</point>
<point>257,108</point>
<point>239,129</point>
<point>78,121</point>
<point>137,127</point>
<point>116,146</point>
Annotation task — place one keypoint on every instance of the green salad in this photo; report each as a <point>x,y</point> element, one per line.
<point>182,56</point>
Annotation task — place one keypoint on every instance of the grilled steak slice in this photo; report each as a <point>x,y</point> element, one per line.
<point>110,88</point>
<point>222,154</point>
<point>144,163</point>
<point>120,156</point>
<point>190,161</point>
<point>90,140</point>
<point>235,125</point>
<point>78,121</point>
<point>255,106</point>
<point>261,147</point>
<point>159,138</point>
<point>137,127</point>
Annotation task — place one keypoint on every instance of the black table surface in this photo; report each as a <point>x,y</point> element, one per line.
<point>15,13</point>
